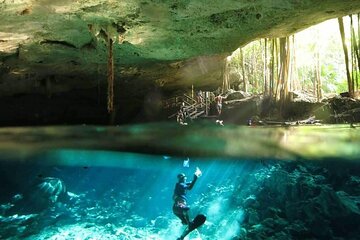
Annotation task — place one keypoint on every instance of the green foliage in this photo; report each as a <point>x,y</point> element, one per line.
<point>322,40</point>
<point>333,80</point>
<point>253,62</point>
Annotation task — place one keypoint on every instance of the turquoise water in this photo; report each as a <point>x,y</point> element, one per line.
<point>117,182</point>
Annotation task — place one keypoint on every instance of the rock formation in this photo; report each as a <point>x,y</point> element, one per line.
<point>54,53</point>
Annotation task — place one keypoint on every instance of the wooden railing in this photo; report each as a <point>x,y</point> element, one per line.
<point>193,108</point>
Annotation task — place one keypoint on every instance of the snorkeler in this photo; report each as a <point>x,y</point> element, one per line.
<point>180,207</point>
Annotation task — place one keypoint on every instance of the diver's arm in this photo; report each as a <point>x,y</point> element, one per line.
<point>192,183</point>
<point>197,174</point>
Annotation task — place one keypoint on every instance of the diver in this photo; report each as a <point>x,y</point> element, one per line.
<point>180,207</point>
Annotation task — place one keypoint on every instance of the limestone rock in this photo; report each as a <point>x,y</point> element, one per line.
<point>63,44</point>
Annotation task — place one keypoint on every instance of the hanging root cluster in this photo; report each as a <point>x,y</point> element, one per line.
<point>110,77</point>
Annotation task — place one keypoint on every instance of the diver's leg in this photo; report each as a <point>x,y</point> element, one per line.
<point>181,214</point>
<point>186,217</point>
<point>188,228</point>
<point>182,218</point>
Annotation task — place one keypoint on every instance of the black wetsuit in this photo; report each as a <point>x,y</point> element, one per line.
<point>180,207</point>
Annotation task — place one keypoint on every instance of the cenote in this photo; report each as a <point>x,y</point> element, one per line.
<point>91,182</point>
<point>186,120</point>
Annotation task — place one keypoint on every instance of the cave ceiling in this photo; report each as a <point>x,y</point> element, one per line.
<point>163,43</point>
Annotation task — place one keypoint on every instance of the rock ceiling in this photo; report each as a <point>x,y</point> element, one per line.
<point>160,42</point>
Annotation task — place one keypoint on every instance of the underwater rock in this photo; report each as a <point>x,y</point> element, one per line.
<point>161,222</point>
<point>259,231</point>
<point>49,190</point>
<point>253,217</point>
<point>339,210</point>
<point>138,222</point>
<point>249,202</point>
<point>352,184</point>
<point>277,186</point>
<point>296,201</point>
<point>305,187</point>
<point>5,207</point>
<point>46,192</point>
<point>298,230</point>
<point>349,205</point>
<point>17,225</point>
<point>293,210</point>
<point>242,234</point>
<point>275,213</point>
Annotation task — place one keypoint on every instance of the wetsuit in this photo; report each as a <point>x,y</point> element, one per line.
<point>180,207</point>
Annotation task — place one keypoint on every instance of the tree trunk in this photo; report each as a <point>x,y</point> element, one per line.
<point>226,84</point>
<point>349,79</point>
<point>254,75</point>
<point>318,77</point>
<point>278,69</point>
<point>355,53</point>
<point>272,69</point>
<point>284,75</point>
<point>266,84</point>
<point>243,69</point>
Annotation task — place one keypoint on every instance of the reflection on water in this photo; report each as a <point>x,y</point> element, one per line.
<point>90,182</point>
<point>202,140</point>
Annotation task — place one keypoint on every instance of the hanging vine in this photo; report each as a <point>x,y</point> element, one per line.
<point>106,35</point>
<point>110,77</point>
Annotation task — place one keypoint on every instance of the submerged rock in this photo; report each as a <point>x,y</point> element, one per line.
<point>48,191</point>
<point>43,194</point>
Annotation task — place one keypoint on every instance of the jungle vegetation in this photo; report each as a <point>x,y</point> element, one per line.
<point>318,61</point>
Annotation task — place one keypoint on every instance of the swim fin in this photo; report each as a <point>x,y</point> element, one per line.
<point>197,222</point>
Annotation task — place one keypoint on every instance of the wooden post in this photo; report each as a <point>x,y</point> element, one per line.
<point>206,103</point>
<point>192,91</point>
